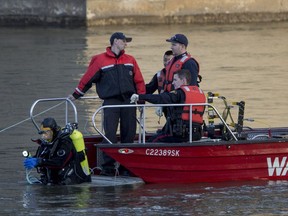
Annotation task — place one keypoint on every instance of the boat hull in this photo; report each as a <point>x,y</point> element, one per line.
<point>202,162</point>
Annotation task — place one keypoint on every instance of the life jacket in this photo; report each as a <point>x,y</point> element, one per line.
<point>161,79</point>
<point>193,94</point>
<point>172,67</point>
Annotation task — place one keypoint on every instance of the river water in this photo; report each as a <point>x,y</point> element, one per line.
<point>241,62</point>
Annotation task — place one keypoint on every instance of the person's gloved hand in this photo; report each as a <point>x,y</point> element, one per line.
<point>134,98</point>
<point>159,111</point>
<point>30,162</point>
<point>71,97</point>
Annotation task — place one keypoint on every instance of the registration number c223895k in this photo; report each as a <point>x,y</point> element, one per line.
<point>163,152</point>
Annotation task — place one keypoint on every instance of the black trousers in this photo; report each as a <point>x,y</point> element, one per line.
<point>126,117</point>
<point>112,117</point>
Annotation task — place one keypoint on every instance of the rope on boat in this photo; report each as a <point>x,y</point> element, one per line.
<point>16,124</point>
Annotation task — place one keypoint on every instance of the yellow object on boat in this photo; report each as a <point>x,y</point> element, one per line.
<point>78,141</point>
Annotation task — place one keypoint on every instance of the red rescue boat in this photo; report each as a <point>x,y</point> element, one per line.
<point>204,161</point>
<point>227,151</point>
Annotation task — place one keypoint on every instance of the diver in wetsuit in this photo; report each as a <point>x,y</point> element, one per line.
<point>56,157</point>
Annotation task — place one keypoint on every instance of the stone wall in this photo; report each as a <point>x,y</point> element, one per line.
<point>117,12</point>
<point>104,12</point>
<point>42,12</point>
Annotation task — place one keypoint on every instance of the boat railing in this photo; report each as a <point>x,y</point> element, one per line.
<point>62,100</point>
<point>68,103</point>
<point>142,121</point>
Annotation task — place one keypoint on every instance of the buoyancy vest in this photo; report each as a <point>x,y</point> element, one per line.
<point>172,67</point>
<point>160,80</point>
<point>193,94</point>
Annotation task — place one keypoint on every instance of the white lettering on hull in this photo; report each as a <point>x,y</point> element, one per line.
<point>163,152</point>
<point>277,168</point>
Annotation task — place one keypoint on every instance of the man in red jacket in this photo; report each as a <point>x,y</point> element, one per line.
<point>117,76</point>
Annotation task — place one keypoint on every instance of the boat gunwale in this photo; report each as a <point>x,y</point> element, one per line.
<point>194,144</point>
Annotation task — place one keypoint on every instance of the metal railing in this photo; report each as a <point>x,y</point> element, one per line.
<point>142,123</point>
<point>67,102</point>
<point>63,100</point>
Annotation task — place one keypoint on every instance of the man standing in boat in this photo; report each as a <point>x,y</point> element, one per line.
<point>182,60</point>
<point>157,82</point>
<point>117,76</point>
<point>158,79</point>
<point>178,118</point>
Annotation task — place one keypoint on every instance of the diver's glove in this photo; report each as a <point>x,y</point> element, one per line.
<point>134,98</point>
<point>30,162</point>
<point>159,111</point>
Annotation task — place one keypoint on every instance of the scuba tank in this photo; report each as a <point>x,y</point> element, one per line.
<point>78,141</point>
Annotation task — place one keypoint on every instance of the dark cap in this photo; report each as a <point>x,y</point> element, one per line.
<point>119,35</point>
<point>49,123</point>
<point>179,38</point>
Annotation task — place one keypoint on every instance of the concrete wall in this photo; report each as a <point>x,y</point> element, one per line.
<point>42,12</point>
<point>103,12</point>
<point>107,12</point>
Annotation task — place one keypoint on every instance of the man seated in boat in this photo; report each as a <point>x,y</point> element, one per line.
<point>178,120</point>
<point>57,158</point>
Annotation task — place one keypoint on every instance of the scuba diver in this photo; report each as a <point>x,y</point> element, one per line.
<point>58,159</point>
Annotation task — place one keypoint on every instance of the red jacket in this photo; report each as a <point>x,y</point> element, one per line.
<point>114,76</point>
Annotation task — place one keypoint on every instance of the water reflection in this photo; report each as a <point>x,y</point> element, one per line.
<point>241,62</point>
<point>245,198</point>
<point>39,196</point>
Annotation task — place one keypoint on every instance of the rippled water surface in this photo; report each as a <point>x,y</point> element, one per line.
<point>241,62</point>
